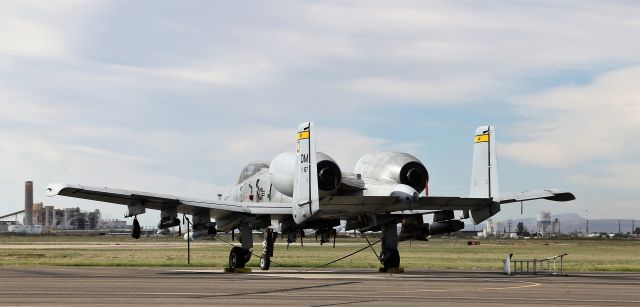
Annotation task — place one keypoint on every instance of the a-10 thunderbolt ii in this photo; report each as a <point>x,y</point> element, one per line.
<point>306,189</point>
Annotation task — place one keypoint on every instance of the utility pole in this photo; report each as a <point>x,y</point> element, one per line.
<point>619,229</point>
<point>586,214</point>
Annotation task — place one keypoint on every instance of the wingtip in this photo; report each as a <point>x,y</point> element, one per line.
<point>560,195</point>
<point>54,189</point>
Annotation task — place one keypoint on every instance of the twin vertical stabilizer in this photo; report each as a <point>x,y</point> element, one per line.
<point>484,172</point>
<point>306,197</point>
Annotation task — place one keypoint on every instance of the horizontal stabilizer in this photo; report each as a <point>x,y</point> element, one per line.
<point>346,206</point>
<point>548,194</point>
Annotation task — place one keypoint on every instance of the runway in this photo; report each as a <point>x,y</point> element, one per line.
<point>53,286</point>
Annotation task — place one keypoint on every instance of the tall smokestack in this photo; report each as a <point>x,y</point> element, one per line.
<point>28,203</point>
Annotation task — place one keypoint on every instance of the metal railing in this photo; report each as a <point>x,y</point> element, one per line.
<point>534,266</point>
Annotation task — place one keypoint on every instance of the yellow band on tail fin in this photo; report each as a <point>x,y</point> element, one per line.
<point>481,138</point>
<point>303,135</point>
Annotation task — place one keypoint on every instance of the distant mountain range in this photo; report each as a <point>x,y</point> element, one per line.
<point>571,222</point>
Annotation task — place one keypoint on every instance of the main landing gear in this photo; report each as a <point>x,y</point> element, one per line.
<point>389,256</point>
<point>239,256</point>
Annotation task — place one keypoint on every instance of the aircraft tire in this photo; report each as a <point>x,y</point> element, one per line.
<point>237,258</point>
<point>247,255</point>
<point>265,262</point>
<point>390,258</point>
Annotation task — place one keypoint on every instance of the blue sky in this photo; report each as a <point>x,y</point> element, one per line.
<point>175,97</point>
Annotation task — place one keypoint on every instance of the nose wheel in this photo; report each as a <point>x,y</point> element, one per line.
<point>267,244</point>
<point>265,262</point>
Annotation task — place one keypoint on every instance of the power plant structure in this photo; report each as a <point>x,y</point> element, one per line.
<point>38,218</point>
<point>68,218</point>
<point>28,203</point>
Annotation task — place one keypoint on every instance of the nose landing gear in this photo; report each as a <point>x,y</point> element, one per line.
<point>267,244</point>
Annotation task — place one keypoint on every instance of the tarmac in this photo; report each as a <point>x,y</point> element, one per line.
<point>66,286</point>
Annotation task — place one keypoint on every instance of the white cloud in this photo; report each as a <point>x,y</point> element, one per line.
<point>256,142</point>
<point>40,28</point>
<point>584,128</point>
<point>622,175</point>
<point>46,161</point>
<point>242,70</point>
<point>444,52</point>
<point>23,107</point>
<point>427,91</point>
<point>21,36</point>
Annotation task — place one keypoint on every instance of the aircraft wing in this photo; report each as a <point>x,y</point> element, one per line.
<point>548,194</point>
<point>163,201</point>
<point>358,205</point>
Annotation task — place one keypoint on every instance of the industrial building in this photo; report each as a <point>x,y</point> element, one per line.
<point>38,218</point>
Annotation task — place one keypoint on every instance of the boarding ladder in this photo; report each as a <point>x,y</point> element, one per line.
<point>534,266</point>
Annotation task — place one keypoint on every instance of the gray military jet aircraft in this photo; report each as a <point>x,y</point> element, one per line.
<point>306,189</point>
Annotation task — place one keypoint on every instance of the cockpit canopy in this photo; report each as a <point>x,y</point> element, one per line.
<point>251,169</point>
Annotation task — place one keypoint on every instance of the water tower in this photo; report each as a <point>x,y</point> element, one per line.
<point>544,223</point>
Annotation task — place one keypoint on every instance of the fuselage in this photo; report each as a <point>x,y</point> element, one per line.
<point>255,185</point>
<point>375,174</point>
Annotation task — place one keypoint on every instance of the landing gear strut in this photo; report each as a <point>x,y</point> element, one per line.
<point>239,256</point>
<point>389,256</point>
<point>267,244</point>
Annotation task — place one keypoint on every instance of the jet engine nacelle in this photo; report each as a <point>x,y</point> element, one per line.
<point>283,168</point>
<point>396,167</point>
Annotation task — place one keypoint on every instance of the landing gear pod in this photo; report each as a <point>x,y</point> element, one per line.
<point>168,218</point>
